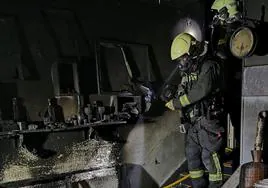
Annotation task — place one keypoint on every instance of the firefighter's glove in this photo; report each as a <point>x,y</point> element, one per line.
<point>181,90</point>
<point>170,105</point>
<point>168,93</point>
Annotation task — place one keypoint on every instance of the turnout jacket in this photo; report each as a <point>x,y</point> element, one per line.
<point>198,88</point>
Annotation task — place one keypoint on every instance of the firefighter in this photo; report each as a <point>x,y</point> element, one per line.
<point>226,12</point>
<point>200,102</point>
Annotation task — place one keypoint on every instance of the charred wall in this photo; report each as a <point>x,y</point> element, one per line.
<point>254,90</point>
<point>29,47</point>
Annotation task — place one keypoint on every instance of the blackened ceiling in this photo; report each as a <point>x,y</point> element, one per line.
<point>170,3</point>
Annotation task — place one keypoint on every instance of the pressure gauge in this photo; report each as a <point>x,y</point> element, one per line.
<point>242,42</point>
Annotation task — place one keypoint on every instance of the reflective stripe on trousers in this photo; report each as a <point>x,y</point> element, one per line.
<point>218,175</point>
<point>194,174</point>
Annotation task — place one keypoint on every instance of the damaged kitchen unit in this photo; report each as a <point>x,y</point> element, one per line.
<point>102,139</point>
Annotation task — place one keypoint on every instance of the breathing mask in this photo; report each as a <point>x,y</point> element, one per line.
<point>185,62</point>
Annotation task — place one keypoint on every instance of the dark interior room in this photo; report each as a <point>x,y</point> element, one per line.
<point>133,94</point>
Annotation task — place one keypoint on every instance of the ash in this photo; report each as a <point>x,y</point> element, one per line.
<point>87,155</point>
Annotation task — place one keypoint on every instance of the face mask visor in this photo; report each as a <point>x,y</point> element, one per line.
<point>184,62</point>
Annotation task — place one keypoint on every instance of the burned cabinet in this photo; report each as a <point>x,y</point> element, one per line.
<point>74,50</point>
<point>65,78</point>
<point>119,63</point>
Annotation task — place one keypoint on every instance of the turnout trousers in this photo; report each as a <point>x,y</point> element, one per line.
<point>204,142</point>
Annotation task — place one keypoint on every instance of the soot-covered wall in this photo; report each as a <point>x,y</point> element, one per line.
<point>29,47</point>
<point>254,88</point>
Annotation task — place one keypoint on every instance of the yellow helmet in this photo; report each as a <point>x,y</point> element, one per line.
<point>181,45</point>
<point>230,5</point>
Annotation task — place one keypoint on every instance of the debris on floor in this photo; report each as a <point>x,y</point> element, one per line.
<point>87,155</point>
